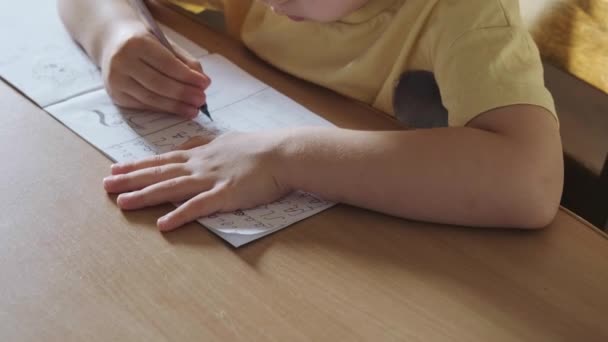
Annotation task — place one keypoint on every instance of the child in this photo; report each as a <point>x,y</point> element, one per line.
<point>498,164</point>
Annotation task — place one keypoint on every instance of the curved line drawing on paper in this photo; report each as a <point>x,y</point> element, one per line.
<point>107,120</point>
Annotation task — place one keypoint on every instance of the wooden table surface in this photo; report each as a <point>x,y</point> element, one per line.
<point>74,268</point>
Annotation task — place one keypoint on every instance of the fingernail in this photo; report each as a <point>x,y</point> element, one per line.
<point>121,199</point>
<point>162,223</point>
<point>107,180</point>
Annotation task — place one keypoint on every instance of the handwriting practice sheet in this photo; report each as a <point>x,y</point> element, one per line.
<point>42,61</point>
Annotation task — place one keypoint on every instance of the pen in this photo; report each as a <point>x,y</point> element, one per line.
<point>145,14</point>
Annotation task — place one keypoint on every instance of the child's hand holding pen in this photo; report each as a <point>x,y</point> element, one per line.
<point>141,73</point>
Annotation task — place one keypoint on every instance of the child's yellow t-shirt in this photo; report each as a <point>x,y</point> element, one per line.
<point>478,50</point>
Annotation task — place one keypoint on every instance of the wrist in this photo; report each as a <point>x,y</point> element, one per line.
<point>291,150</point>
<point>283,158</point>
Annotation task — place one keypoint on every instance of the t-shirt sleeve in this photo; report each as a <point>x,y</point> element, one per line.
<point>489,68</point>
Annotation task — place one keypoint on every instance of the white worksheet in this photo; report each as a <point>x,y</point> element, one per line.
<point>43,62</point>
<point>238,102</point>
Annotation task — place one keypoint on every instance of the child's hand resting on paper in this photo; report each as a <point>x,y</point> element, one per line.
<point>233,171</point>
<point>140,73</point>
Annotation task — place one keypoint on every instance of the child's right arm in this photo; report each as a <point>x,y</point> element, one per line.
<point>139,72</point>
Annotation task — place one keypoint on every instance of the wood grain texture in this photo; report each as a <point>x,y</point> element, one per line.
<point>74,268</point>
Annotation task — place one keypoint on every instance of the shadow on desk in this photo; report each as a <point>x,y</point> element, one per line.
<point>514,275</point>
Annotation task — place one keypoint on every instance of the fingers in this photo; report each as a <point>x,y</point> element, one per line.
<point>204,204</point>
<point>129,93</point>
<point>160,102</point>
<point>160,84</point>
<point>165,62</point>
<point>157,160</point>
<point>140,179</point>
<point>143,74</point>
<point>127,101</point>
<point>172,190</point>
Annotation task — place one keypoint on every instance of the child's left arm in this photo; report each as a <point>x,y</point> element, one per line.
<point>504,169</point>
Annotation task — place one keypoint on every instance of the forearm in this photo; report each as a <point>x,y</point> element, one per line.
<point>93,24</point>
<point>461,176</point>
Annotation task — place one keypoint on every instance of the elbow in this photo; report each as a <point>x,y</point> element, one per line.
<point>539,198</point>
<point>538,214</point>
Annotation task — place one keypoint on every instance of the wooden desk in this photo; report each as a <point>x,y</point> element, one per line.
<point>74,268</point>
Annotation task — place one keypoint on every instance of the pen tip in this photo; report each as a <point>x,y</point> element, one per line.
<point>205,111</point>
